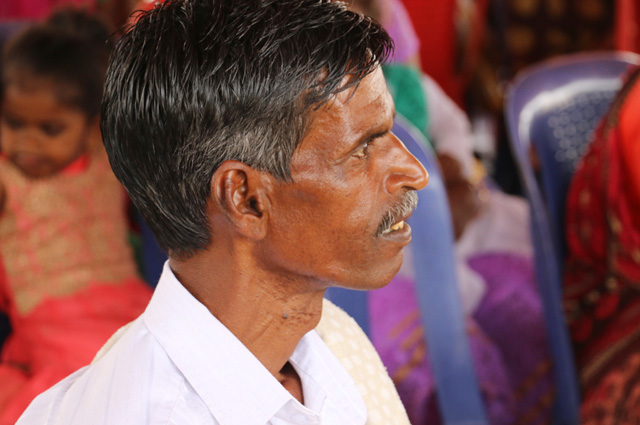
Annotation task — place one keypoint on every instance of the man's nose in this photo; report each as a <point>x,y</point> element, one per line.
<point>406,171</point>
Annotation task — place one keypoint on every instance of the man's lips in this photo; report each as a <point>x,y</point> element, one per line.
<point>397,226</point>
<point>394,220</point>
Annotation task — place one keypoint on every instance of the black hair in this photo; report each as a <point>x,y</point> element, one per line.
<point>70,49</point>
<point>197,82</point>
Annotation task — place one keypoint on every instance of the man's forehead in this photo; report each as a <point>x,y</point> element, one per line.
<point>352,112</point>
<point>373,83</point>
<point>371,90</point>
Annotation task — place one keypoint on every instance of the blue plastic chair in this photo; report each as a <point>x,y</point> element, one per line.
<point>554,107</point>
<point>442,317</point>
<point>153,258</point>
<point>355,303</point>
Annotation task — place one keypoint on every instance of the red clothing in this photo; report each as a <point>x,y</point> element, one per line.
<point>37,9</point>
<point>602,278</point>
<point>69,279</point>
<point>626,25</point>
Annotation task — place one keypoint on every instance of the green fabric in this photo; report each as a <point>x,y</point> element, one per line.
<point>405,85</point>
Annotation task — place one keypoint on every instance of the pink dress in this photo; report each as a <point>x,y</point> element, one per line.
<point>37,9</point>
<point>69,279</point>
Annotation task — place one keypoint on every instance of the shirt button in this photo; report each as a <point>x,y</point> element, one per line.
<point>300,418</point>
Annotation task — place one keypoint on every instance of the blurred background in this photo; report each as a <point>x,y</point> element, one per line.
<point>454,64</point>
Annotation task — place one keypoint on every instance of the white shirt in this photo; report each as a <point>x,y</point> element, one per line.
<point>177,364</point>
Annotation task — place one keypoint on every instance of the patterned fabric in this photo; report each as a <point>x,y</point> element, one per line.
<point>511,315</point>
<point>507,339</point>
<point>356,353</point>
<point>398,337</point>
<point>602,273</point>
<point>70,279</point>
<point>68,230</point>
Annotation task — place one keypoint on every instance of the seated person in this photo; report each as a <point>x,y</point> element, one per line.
<point>602,271</point>
<point>255,140</point>
<point>70,280</point>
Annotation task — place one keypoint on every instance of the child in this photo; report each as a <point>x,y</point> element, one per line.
<point>69,278</point>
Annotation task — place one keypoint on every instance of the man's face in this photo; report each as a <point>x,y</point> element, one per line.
<point>341,221</point>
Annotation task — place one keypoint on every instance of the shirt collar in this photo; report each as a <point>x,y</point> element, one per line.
<point>231,381</point>
<point>323,374</point>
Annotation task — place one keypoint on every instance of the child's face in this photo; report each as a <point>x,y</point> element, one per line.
<point>38,133</point>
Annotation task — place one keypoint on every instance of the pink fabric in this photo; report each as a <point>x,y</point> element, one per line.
<point>61,336</point>
<point>506,335</point>
<point>36,9</point>
<point>397,335</point>
<point>399,26</point>
<point>68,279</point>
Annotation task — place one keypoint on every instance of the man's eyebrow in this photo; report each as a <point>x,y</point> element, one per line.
<point>376,135</point>
<point>379,133</point>
<point>373,136</point>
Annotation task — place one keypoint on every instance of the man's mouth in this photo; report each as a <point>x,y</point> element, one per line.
<point>397,226</point>
<point>394,220</point>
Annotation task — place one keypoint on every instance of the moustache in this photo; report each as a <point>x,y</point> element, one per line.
<point>402,209</point>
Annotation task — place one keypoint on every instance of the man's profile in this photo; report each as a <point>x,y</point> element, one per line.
<point>254,137</point>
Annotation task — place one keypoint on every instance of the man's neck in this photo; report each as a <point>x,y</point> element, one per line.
<point>267,313</point>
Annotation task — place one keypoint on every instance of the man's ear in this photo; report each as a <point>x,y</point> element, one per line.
<point>239,192</point>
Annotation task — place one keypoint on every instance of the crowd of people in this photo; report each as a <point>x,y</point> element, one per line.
<point>255,141</point>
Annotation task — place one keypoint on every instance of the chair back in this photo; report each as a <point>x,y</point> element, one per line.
<point>355,303</point>
<point>153,258</point>
<point>554,107</point>
<point>441,312</point>
<point>442,316</point>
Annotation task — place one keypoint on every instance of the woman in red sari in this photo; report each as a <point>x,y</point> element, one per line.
<point>602,278</point>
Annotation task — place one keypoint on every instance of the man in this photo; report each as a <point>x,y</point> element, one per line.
<point>255,139</point>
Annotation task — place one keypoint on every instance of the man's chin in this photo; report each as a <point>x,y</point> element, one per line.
<point>378,278</point>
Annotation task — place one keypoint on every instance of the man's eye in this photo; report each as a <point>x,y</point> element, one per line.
<point>362,151</point>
